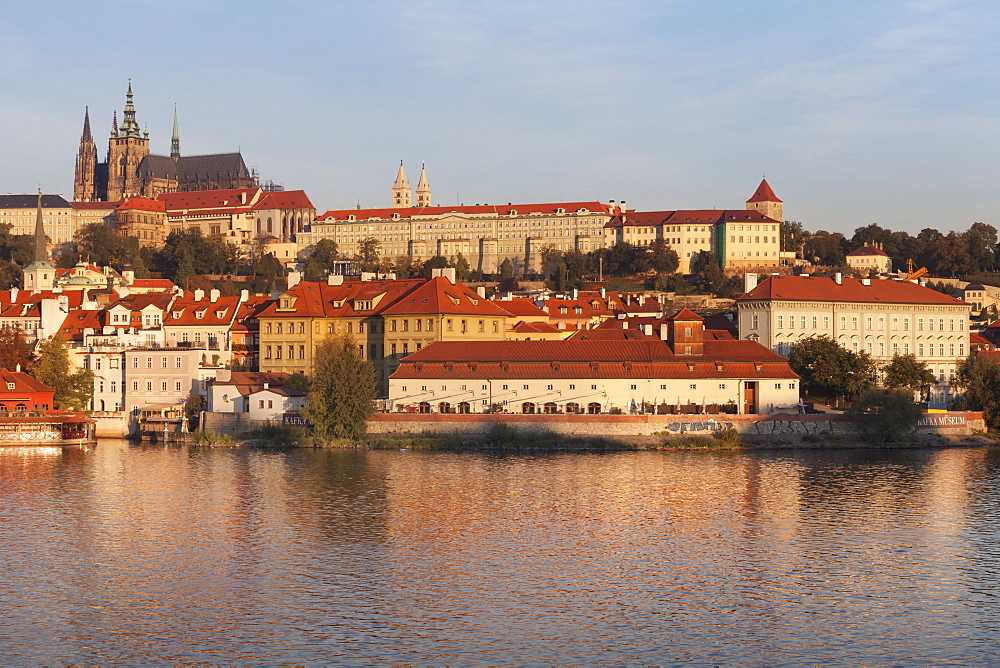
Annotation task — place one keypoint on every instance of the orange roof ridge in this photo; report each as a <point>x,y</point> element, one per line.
<point>764,193</point>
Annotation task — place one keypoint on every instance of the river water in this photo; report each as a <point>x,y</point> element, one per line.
<point>148,554</point>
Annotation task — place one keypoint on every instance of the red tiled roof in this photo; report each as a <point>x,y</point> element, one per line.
<point>609,334</point>
<point>686,315</point>
<point>820,289</point>
<point>22,382</point>
<point>688,216</point>
<point>482,209</point>
<point>569,370</point>
<point>142,204</point>
<point>77,321</point>
<point>152,283</point>
<point>521,307</point>
<point>214,200</point>
<point>867,250</point>
<point>588,351</point>
<point>185,311</point>
<point>523,327</point>
<point>439,295</point>
<point>285,199</point>
<point>764,193</point>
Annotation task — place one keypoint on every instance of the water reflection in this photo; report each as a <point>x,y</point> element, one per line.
<point>131,554</point>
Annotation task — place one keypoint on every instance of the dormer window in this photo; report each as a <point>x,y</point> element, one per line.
<point>286,303</point>
<point>10,386</point>
<point>220,314</point>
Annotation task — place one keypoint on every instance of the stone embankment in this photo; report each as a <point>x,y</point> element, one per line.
<point>612,426</point>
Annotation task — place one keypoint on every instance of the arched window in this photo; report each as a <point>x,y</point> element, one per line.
<point>593,408</point>
<point>424,407</point>
<point>573,408</point>
<point>549,408</point>
<point>527,407</point>
<point>464,408</point>
<point>444,407</point>
<point>270,227</point>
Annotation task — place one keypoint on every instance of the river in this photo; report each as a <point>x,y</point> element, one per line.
<point>127,554</point>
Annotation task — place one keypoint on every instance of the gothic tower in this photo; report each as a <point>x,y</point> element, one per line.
<point>423,189</point>
<point>766,202</point>
<point>401,190</point>
<point>39,275</point>
<point>175,139</point>
<point>84,181</point>
<point>126,149</point>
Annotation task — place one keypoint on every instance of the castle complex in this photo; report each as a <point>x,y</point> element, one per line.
<point>130,170</point>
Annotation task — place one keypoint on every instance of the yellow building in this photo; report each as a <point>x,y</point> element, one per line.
<point>387,319</point>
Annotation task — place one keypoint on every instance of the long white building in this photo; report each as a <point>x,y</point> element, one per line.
<point>880,317</point>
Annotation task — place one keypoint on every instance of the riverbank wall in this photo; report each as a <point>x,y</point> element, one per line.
<point>953,423</point>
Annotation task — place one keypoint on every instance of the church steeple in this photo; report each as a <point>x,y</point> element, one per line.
<point>84,185</point>
<point>114,123</point>
<point>423,189</point>
<point>129,127</point>
<point>175,139</point>
<point>401,190</point>
<point>39,275</point>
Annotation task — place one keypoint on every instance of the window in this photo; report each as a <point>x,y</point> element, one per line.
<point>302,328</point>
<point>449,325</point>
<point>277,352</point>
<point>722,386</point>
<point>149,362</point>
<point>177,386</point>
<point>781,323</point>
<point>593,387</point>
<point>135,387</point>
<point>302,352</point>
<point>270,403</point>
<point>430,325</point>
<point>753,324</point>
<point>114,386</point>
<point>280,327</point>
<point>854,322</point>
<point>149,386</point>
<point>163,362</point>
<point>777,386</point>
<point>260,403</point>
<point>177,362</point>
<point>693,386</point>
<point>267,352</point>
<point>920,324</point>
<point>163,386</point>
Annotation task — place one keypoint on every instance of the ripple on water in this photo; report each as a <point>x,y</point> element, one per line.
<point>145,554</point>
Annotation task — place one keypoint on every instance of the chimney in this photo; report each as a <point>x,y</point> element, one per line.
<point>199,295</point>
<point>647,330</point>
<point>838,278</point>
<point>13,294</point>
<point>621,205</point>
<point>449,273</point>
<point>604,293</point>
<point>244,295</point>
<point>267,385</point>
<point>481,291</point>
<point>664,333</point>
<point>866,281</point>
<point>624,324</point>
<point>293,279</point>
<point>749,281</point>
<point>576,293</point>
<point>803,275</point>
<point>335,279</point>
<point>213,296</point>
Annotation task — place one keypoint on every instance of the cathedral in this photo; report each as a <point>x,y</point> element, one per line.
<point>131,170</point>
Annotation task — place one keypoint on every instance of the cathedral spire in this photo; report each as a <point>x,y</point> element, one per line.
<point>175,139</point>
<point>86,137</point>
<point>423,188</point>
<point>114,123</point>
<point>401,190</point>
<point>39,275</point>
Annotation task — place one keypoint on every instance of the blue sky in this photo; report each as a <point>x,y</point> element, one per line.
<point>857,112</point>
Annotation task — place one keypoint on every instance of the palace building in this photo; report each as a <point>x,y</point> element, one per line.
<point>130,170</point>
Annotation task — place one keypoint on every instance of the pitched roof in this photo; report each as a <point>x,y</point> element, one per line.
<point>185,311</point>
<point>22,382</point>
<point>31,202</point>
<point>687,216</point>
<point>285,199</point>
<point>141,204</point>
<point>867,250</point>
<point>158,166</point>
<point>822,289</point>
<point>588,351</point>
<point>479,209</point>
<point>95,205</point>
<point>212,165</point>
<point>210,199</point>
<point>763,193</point>
<point>521,307</point>
<point>684,369</point>
<point>686,315</point>
<point>439,295</point>
<point>523,327</point>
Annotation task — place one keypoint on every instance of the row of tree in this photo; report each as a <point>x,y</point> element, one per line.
<point>953,254</point>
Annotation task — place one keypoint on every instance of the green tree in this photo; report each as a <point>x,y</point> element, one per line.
<point>829,370</point>
<point>11,275</point>
<point>549,256</point>
<point>979,380</point>
<point>462,267</point>
<point>193,406</point>
<point>368,255</point>
<point>98,243</point>
<point>268,266</point>
<point>886,416</point>
<point>341,390</point>
<point>793,235</point>
<point>436,262</point>
<point>662,258</point>
<point>506,269</point>
<point>14,350</point>
<point>906,372</point>
<point>73,389</point>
